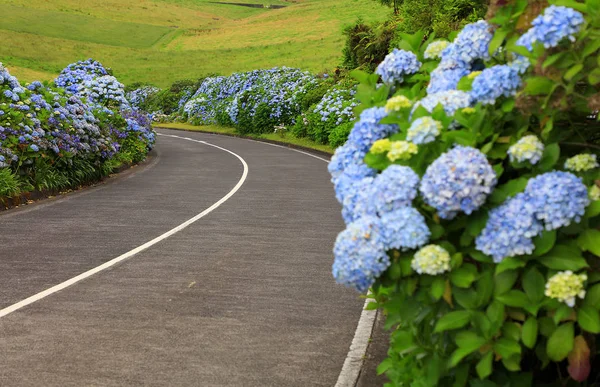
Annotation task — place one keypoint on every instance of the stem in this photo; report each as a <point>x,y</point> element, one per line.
<point>581,144</point>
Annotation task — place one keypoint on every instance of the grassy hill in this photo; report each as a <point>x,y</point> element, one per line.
<point>160,41</point>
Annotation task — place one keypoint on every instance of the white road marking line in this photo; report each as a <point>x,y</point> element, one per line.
<point>350,372</point>
<point>36,297</point>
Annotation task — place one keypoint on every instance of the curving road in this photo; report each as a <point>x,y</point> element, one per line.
<point>241,297</point>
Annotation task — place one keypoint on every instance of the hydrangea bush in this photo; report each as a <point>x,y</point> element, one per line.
<point>472,201</point>
<point>62,135</point>
<point>254,101</point>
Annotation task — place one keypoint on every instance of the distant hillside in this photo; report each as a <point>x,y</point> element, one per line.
<point>160,41</point>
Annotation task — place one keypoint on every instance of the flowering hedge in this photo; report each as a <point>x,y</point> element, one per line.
<point>59,136</point>
<point>254,101</point>
<point>472,202</point>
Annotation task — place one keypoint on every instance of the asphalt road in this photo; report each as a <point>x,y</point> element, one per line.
<point>242,297</point>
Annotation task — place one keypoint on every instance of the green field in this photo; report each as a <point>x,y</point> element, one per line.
<point>160,41</point>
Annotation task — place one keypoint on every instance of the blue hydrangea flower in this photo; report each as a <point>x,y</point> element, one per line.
<point>360,256</point>
<point>342,158</point>
<point>353,173</point>
<point>494,82</point>
<point>394,188</point>
<point>559,198</point>
<point>510,229</point>
<point>368,129</point>
<point>459,180</point>
<point>554,25</point>
<point>423,130</point>
<point>404,229</point>
<point>356,203</point>
<point>397,64</point>
<point>451,100</point>
<point>471,44</point>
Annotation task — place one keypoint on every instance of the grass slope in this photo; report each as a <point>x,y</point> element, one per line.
<point>160,41</point>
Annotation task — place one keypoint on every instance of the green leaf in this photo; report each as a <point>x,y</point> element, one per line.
<point>589,240</point>
<point>593,209</point>
<point>573,71</point>
<point>546,326</point>
<point>512,363</point>
<point>514,298</point>
<point>544,242</point>
<point>484,367</point>
<point>592,297</point>
<point>552,59</point>
<point>437,288</point>
<point>560,342</point>
<point>529,332</point>
<point>534,285</point>
<point>509,189</point>
<point>511,330</point>
<point>562,313</point>
<point>510,263</point>
<point>571,4</point>
<point>464,276</point>
<point>508,105</point>
<point>504,281</point>
<point>453,320</point>
<point>549,157</point>
<point>495,312</point>
<point>594,77</point>
<point>590,48</point>
<point>465,84</point>
<point>588,319</point>
<point>538,86</point>
<point>563,257</point>
<point>468,342</point>
<point>497,40</point>
<point>437,231</point>
<point>507,347</point>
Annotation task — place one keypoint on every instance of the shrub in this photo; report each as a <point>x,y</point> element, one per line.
<point>366,45</point>
<point>54,137</point>
<point>473,208</point>
<point>339,134</point>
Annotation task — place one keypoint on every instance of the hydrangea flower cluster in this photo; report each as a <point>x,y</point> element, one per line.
<point>396,65</point>
<point>434,49</point>
<point>360,255</point>
<point>336,106</point>
<point>470,45</point>
<point>565,286</point>
<point>551,27</point>
<point>559,197</point>
<point>423,130</point>
<point>401,150</point>
<point>582,162</point>
<point>404,229</point>
<point>510,229</point>
<point>550,201</point>
<point>381,146</point>
<point>105,91</point>
<point>528,148</point>
<point>140,95</point>
<point>368,129</point>
<point>494,82</point>
<point>451,100</point>
<point>594,193</point>
<point>432,260</point>
<point>72,77</point>
<point>460,180</point>
<point>394,188</point>
<point>396,103</point>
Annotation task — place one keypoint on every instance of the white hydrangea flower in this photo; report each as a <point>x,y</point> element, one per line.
<point>434,50</point>
<point>432,260</point>
<point>581,162</point>
<point>528,148</point>
<point>565,286</point>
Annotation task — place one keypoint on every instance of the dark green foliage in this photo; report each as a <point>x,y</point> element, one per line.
<point>367,45</point>
<point>441,17</point>
<point>313,96</point>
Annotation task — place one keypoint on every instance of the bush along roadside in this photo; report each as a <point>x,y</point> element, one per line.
<point>279,100</point>
<point>66,134</point>
<point>472,201</point>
